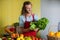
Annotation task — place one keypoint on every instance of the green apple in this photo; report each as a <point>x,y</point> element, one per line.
<point>28,38</point>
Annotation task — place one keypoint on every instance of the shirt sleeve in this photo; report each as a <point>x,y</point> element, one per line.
<point>36,18</point>
<point>21,23</point>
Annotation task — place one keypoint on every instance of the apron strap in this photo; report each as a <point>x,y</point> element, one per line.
<point>33,16</point>
<point>25,18</point>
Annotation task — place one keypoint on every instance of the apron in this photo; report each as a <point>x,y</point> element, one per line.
<point>27,25</point>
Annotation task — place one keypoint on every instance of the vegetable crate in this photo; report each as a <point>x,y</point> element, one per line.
<point>52,38</point>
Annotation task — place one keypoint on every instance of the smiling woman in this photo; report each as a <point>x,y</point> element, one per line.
<point>10,10</point>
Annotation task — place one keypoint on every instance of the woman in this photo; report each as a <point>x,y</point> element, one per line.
<point>26,17</point>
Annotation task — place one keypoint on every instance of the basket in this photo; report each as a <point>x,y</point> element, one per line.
<point>52,38</point>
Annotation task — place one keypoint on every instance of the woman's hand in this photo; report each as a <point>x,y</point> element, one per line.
<point>36,29</point>
<point>27,30</point>
<point>24,30</point>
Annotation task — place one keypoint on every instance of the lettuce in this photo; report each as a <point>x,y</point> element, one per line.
<point>41,24</point>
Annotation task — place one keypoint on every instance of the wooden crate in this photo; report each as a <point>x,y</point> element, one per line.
<point>52,38</point>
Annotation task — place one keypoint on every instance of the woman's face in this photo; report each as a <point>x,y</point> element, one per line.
<point>28,8</point>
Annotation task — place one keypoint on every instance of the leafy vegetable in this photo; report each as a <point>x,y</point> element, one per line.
<point>32,27</point>
<point>41,24</point>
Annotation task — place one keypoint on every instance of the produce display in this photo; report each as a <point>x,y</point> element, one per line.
<point>20,37</point>
<point>41,24</point>
<point>53,34</point>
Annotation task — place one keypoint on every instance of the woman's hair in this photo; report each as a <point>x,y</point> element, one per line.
<point>23,11</point>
